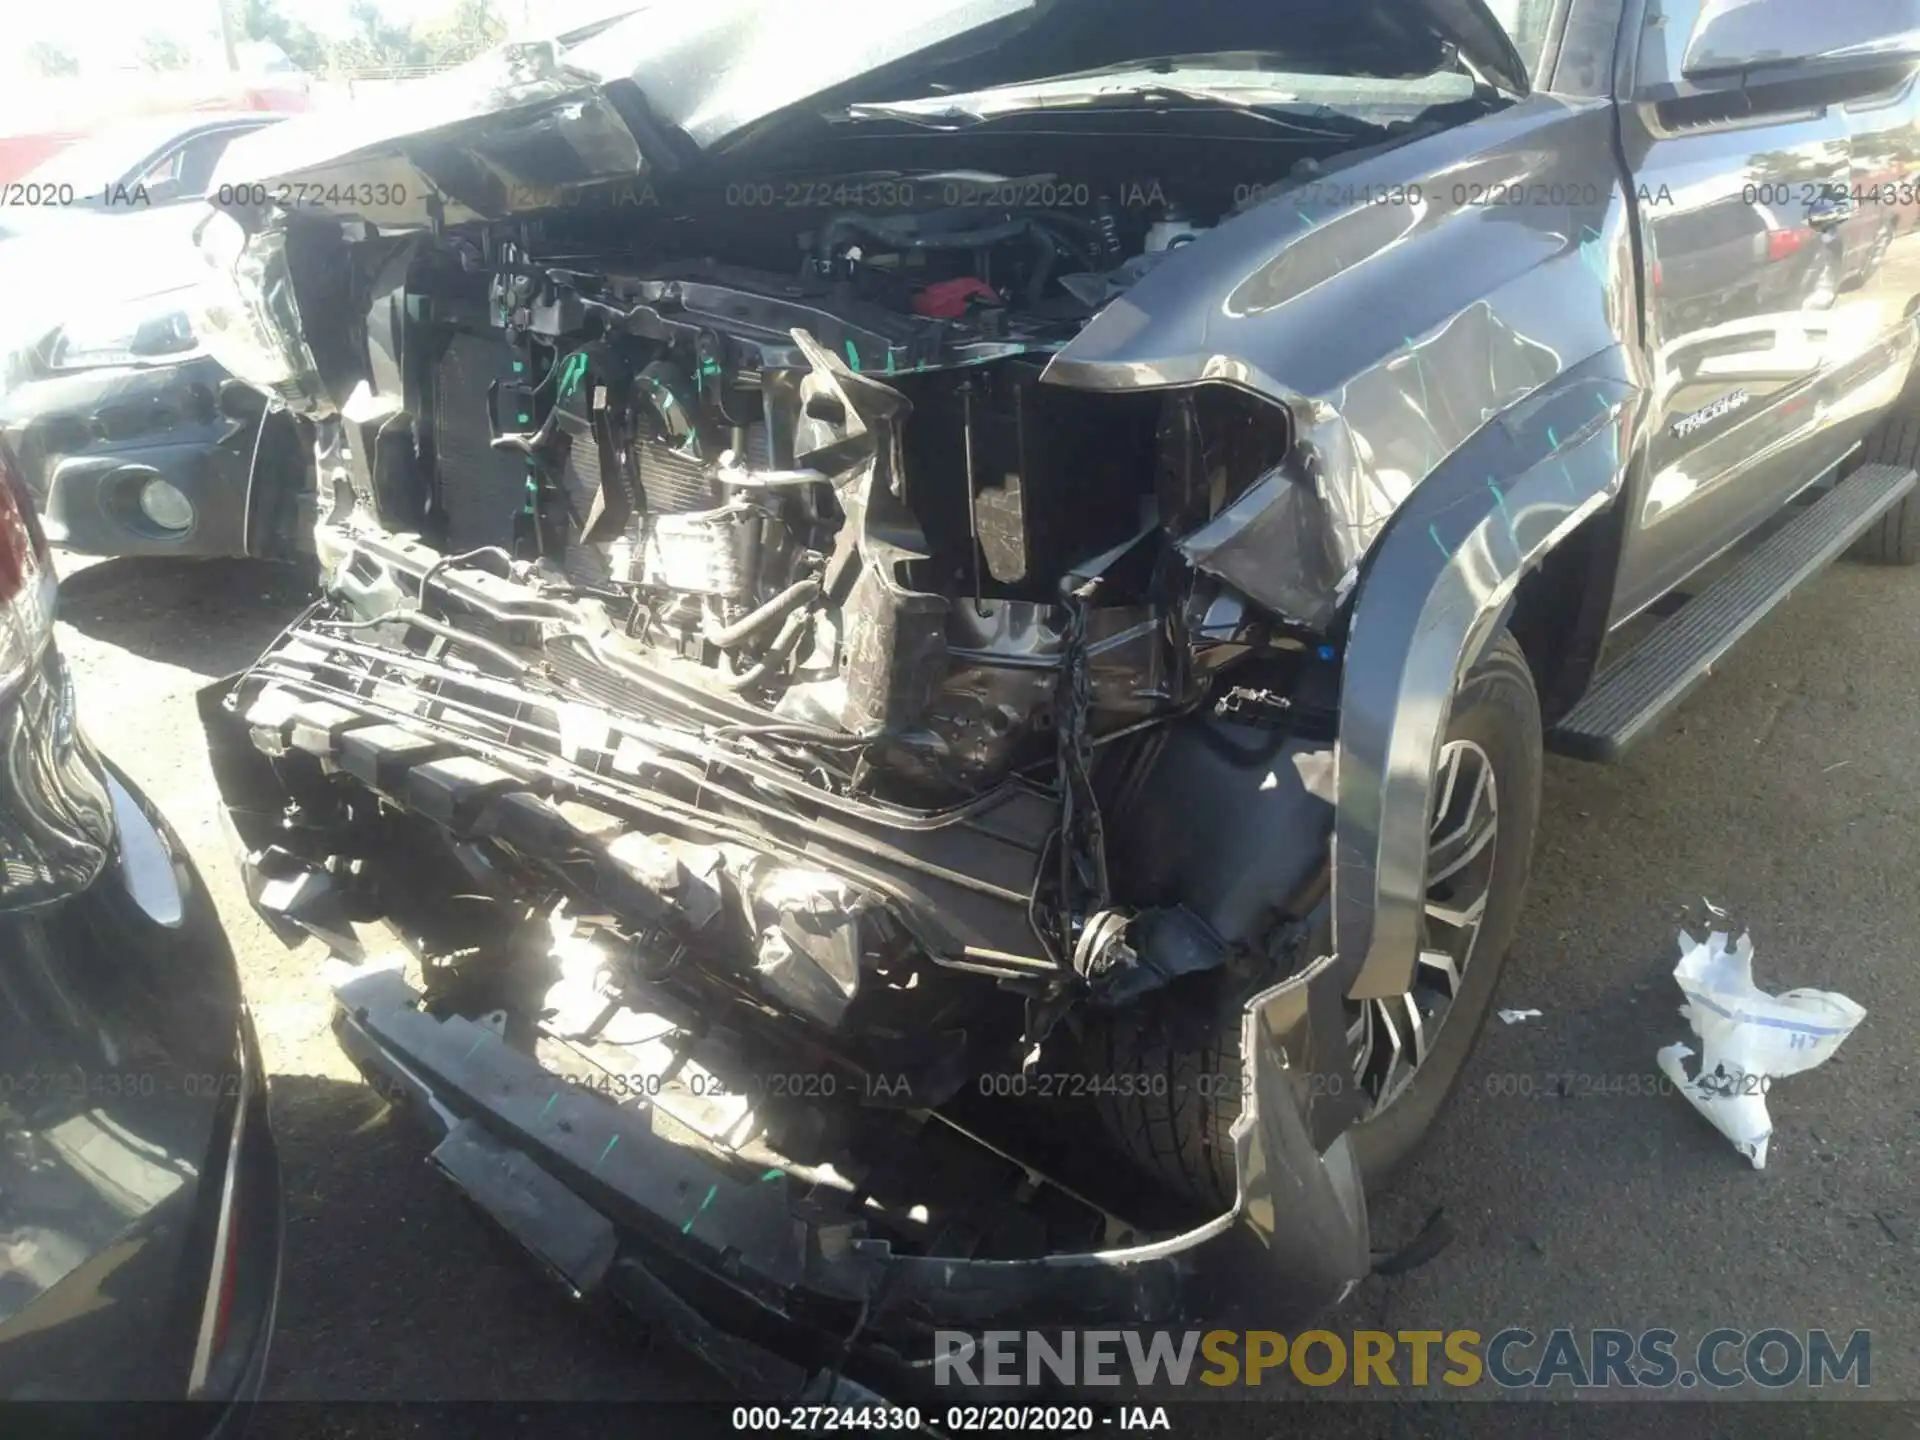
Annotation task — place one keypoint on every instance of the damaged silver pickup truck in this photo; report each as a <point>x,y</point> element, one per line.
<point>940,618</point>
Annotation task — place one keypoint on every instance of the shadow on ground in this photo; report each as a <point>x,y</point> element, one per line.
<point>391,1276</point>
<point>208,616</point>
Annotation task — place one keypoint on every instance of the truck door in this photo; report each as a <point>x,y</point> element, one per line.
<point>1744,204</point>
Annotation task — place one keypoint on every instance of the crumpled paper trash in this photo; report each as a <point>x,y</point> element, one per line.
<point>1748,1038</point>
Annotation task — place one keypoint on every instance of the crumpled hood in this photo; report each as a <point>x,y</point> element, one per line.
<point>645,95</point>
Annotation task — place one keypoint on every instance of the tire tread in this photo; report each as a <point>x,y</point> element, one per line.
<point>1893,539</point>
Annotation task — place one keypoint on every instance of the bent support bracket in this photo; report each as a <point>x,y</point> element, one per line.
<point>1436,590</point>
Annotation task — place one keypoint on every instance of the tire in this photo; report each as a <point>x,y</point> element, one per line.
<point>1894,539</point>
<point>1180,1134</point>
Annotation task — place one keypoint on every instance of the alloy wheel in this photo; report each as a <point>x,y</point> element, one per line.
<point>1390,1038</point>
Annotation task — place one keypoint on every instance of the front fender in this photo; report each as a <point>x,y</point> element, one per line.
<point>1433,595</point>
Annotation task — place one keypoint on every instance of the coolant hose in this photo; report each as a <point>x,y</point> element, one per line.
<point>750,625</point>
<point>775,657</point>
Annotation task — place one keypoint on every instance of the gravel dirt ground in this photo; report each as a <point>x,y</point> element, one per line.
<point>1787,792</point>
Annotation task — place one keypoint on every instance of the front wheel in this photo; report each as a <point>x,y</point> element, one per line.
<point>1406,1052</point>
<point>1894,539</point>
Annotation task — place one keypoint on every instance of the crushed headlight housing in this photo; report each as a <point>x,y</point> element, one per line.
<point>154,327</point>
<point>245,313</point>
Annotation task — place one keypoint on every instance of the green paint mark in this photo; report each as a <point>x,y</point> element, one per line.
<point>606,1152</point>
<point>853,358</point>
<point>524,418</point>
<point>1567,475</point>
<point>549,1105</point>
<point>712,1190</point>
<point>575,372</point>
<point>771,1175</point>
<point>518,366</point>
<point>890,361</point>
<point>1552,439</point>
<point>478,1042</point>
<point>1434,532</point>
<point>1305,218</point>
<point>1501,501</point>
<point>1592,254</point>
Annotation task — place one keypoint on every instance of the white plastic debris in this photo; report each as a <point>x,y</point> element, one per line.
<point>1748,1038</point>
<point>1514,1017</point>
<point>1712,908</point>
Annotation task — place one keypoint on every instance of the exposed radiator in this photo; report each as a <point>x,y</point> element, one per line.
<point>673,483</point>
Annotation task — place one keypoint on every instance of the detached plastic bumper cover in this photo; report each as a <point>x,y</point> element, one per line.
<point>604,1202</point>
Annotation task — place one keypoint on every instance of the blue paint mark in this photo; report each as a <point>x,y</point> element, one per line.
<point>712,1190</point>
<point>1772,1022</point>
<point>549,1105</point>
<point>606,1152</point>
<point>1326,652</point>
<point>1438,543</point>
<point>1501,501</point>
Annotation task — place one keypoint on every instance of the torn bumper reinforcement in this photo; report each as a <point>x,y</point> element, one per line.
<point>730,1262</point>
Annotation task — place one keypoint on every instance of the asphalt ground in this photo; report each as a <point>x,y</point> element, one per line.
<point>1786,792</point>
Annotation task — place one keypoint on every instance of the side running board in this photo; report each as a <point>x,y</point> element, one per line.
<point>1631,697</point>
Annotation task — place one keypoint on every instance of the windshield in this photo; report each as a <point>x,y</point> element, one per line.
<point>1316,54</point>
<point>1525,21</point>
<point>1263,81</point>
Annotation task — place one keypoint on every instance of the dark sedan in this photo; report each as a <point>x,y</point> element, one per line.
<point>140,1218</point>
<point>132,441</point>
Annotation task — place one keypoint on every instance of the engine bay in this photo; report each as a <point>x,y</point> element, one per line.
<point>730,610</point>
<point>840,493</point>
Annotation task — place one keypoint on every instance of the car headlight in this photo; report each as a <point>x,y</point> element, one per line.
<point>245,314</point>
<point>156,327</point>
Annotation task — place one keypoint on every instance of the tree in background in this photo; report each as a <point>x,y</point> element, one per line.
<point>162,53</point>
<point>263,20</point>
<point>377,42</point>
<point>51,60</point>
<point>471,28</point>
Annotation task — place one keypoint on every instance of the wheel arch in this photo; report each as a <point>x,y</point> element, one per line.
<point>1475,545</point>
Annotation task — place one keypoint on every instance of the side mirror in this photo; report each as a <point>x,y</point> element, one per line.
<point>1800,37</point>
